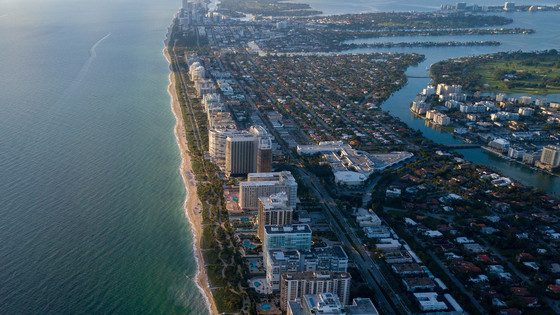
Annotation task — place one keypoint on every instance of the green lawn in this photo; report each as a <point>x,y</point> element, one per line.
<point>514,72</point>
<point>530,85</point>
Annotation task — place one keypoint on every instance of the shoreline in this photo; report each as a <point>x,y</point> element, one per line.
<point>507,158</point>
<point>191,203</point>
<point>490,150</point>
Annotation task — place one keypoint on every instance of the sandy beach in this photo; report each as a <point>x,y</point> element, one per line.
<point>192,205</point>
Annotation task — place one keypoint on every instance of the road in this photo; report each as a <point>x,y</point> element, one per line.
<point>369,270</point>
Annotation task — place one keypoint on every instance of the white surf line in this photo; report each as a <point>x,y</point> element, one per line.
<point>83,71</point>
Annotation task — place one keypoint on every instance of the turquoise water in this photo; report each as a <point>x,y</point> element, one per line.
<point>266,307</point>
<point>91,216</point>
<point>248,244</point>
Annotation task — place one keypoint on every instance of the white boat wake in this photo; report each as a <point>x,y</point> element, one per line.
<point>87,64</point>
<point>83,71</point>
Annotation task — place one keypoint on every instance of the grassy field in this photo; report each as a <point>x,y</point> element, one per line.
<point>529,77</point>
<point>527,73</point>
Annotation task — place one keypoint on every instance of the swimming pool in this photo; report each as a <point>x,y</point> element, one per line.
<point>248,244</point>
<point>257,284</point>
<point>266,307</point>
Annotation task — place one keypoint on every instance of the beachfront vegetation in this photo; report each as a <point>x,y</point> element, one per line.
<point>513,72</point>
<point>221,255</point>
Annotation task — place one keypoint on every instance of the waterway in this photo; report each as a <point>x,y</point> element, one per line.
<point>331,7</point>
<point>91,199</point>
<point>547,36</point>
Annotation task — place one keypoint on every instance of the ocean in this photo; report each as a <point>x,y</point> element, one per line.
<point>91,198</point>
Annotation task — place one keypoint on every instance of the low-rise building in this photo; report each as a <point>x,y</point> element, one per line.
<point>428,301</point>
<point>418,283</point>
<point>367,218</point>
<point>407,269</point>
<point>322,147</point>
<point>377,232</point>
<point>329,304</point>
<point>499,144</point>
<point>526,111</point>
<point>388,244</point>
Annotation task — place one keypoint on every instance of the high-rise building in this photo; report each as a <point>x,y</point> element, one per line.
<point>212,103</point>
<point>217,144</point>
<point>444,89</point>
<point>241,154</point>
<point>297,285</point>
<point>286,237</point>
<point>246,151</point>
<point>551,156</point>
<point>274,210</point>
<point>264,185</point>
<point>264,154</point>
<point>332,258</point>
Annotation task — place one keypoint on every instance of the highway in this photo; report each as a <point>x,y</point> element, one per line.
<point>369,270</point>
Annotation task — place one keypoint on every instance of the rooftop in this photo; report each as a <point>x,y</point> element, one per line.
<point>316,275</point>
<point>287,229</point>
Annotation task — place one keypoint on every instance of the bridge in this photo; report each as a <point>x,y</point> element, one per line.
<point>462,145</point>
<point>419,76</point>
